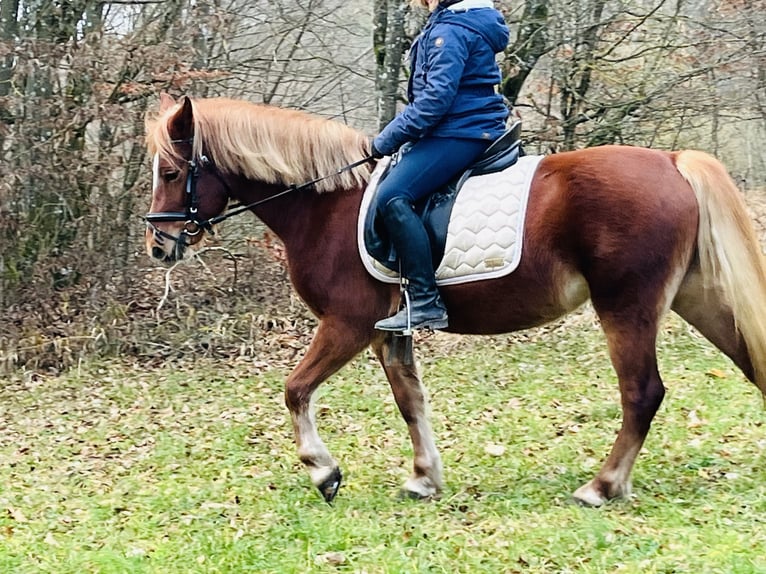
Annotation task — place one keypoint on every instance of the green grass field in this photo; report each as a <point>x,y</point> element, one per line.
<point>115,468</point>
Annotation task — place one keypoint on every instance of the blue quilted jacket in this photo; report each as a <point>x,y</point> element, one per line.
<point>451,90</point>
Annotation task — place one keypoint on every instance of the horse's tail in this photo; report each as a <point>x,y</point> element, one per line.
<point>729,251</point>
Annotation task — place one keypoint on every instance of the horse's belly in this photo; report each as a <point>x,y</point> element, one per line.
<point>512,303</point>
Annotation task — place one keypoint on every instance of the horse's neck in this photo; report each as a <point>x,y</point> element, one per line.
<point>304,219</point>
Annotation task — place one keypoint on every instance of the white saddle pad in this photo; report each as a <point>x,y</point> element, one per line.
<point>485,231</point>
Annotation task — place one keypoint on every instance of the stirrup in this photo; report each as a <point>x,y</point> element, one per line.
<point>407,319</point>
<point>400,351</point>
<point>405,294</point>
<point>406,310</point>
<point>408,307</point>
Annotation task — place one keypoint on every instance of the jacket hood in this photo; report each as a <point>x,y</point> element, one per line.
<point>479,16</point>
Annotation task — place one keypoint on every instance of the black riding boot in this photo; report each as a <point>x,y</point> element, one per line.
<point>413,248</point>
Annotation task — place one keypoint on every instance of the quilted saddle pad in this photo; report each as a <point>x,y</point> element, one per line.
<point>485,231</point>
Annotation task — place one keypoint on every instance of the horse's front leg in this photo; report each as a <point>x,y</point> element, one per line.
<point>333,346</point>
<point>410,396</point>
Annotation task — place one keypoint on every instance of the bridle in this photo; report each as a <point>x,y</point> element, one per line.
<point>193,224</point>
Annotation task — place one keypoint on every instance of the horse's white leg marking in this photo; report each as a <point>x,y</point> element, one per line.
<point>618,478</point>
<point>311,449</point>
<point>426,480</point>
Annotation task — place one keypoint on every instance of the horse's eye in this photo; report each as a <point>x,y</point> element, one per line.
<point>170,176</point>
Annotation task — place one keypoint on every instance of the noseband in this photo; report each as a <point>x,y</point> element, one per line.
<point>193,225</point>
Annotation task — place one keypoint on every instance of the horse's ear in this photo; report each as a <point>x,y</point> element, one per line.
<point>181,124</point>
<point>166,102</point>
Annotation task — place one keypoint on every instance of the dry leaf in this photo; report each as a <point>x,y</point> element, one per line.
<point>332,558</point>
<point>17,514</point>
<point>494,449</point>
<point>694,420</point>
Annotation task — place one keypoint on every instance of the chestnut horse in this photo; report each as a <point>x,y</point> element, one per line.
<point>637,231</point>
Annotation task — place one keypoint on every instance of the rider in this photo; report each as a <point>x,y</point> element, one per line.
<point>453,115</point>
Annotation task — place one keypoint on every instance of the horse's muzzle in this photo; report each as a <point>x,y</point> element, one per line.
<point>159,248</point>
<point>159,253</point>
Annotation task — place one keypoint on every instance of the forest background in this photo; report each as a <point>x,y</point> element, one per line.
<point>78,77</point>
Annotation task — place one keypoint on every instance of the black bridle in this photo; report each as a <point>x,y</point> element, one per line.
<point>193,224</point>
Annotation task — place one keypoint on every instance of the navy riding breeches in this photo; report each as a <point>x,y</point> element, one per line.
<point>427,166</point>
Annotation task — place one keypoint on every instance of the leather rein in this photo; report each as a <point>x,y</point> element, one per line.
<point>193,224</point>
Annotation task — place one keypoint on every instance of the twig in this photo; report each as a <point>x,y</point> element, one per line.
<point>226,251</point>
<point>168,287</point>
<point>196,256</point>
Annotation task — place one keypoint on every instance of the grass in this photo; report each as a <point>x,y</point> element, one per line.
<point>113,468</point>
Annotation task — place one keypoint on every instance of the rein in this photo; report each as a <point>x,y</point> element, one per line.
<point>194,225</point>
<point>237,209</point>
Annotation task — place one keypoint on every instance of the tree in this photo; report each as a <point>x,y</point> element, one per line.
<point>624,72</point>
<point>389,42</point>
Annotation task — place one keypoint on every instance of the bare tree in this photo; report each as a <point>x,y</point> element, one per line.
<point>646,72</point>
<point>389,44</point>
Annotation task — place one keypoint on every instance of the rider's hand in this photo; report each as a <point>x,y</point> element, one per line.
<point>375,152</point>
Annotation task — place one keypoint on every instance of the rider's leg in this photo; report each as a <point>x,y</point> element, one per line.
<point>426,167</point>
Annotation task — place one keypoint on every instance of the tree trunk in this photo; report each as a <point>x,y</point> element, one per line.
<point>389,40</point>
<point>530,45</point>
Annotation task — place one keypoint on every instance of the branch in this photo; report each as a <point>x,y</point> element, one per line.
<point>196,256</point>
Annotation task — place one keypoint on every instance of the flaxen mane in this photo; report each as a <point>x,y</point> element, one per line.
<point>268,144</point>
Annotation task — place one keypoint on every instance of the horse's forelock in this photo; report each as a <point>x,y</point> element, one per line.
<point>158,140</point>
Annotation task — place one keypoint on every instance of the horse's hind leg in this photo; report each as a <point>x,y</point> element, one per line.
<point>631,337</point>
<point>410,396</point>
<point>333,345</point>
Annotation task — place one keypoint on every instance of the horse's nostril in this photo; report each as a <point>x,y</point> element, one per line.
<point>158,253</point>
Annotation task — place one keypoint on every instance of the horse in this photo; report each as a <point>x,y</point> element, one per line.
<point>637,231</point>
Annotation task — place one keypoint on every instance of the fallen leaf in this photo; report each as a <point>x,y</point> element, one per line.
<point>332,558</point>
<point>17,514</point>
<point>494,449</point>
<point>694,420</point>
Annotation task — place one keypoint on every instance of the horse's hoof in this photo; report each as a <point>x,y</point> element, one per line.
<point>419,489</point>
<point>405,494</point>
<point>592,494</point>
<point>589,495</point>
<point>330,485</point>
<point>589,499</point>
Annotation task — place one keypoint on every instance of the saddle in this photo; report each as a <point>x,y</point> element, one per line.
<point>436,209</point>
